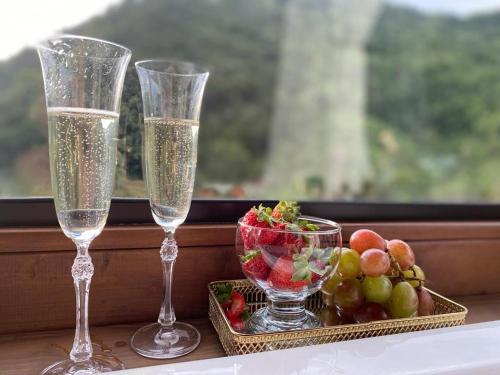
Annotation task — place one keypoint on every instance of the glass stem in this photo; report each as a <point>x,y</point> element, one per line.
<point>82,272</point>
<point>168,255</point>
<point>287,312</point>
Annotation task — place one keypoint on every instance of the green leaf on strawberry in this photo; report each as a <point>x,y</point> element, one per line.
<point>311,227</point>
<point>223,292</point>
<point>249,254</point>
<point>293,227</point>
<point>306,252</point>
<point>245,315</point>
<point>264,214</point>
<point>254,265</point>
<point>288,211</point>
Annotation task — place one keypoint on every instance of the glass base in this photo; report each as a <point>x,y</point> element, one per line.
<point>264,320</point>
<point>152,341</point>
<point>95,365</point>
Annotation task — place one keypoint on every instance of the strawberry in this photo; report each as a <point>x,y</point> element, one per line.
<point>279,239</point>
<point>238,324</point>
<point>254,265</point>
<point>251,217</point>
<point>315,278</point>
<point>254,219</point>
<point>317,270</point>
<point>282,275</point>
<point>293,242</point>
<point>265,236</point>
<point>237,306</point>
<point>226,304</point>
<point>248,237</point>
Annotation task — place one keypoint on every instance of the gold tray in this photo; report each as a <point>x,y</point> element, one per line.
<point>448,313</point>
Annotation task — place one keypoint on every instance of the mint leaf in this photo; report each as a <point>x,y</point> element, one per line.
<point>300,263</point>
<point>317,270</point>
<point>321,253</point>
<point>306,252</point>
<point>301,274</point>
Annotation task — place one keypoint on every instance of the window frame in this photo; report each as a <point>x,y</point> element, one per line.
<point>15,212</point>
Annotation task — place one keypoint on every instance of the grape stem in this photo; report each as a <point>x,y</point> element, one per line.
<point>395,265</point>
<point>400,275</point>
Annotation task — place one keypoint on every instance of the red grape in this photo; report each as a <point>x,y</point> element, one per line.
<point>374,262</point>
<point>364,239</point>
<point>329,317</point>
<point>348,295</point>
<point>370,312</point>
<point>425,302</point>
<point>402,252</point>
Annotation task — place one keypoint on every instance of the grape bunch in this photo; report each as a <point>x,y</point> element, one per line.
<point>375,280</point>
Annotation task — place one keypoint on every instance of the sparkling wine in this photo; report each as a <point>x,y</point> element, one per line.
<point>170,161</point>
<point>82,149</point>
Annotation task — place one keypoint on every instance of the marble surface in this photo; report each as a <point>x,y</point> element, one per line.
<point>471,349</point>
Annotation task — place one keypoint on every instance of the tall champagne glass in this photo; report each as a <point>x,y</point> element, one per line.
<point>83,80</point>
<point>171,93</point>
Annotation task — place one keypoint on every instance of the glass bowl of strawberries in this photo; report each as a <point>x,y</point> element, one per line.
<point>289,256</point>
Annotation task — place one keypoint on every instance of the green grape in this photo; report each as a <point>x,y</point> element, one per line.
<point>348,295</point>
<point>330,285</point>
<point>415,272</point>
<point>349,266</point>
<point>403,302</point>
<point>377,289</point>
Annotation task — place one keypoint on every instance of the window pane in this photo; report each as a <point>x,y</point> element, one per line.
<point>308,99</point>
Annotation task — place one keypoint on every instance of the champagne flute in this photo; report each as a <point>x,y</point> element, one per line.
<point>83,80</point>
<point>171,93</point>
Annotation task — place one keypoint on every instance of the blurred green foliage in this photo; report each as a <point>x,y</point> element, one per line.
<point>433,111</point>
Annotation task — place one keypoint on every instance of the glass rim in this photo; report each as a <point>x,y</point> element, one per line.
<point>43,46</point>
<point>336,227</point>
<point>200,69</point>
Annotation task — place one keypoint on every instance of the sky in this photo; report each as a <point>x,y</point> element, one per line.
<point>25,22</point>
<point>456,7</point>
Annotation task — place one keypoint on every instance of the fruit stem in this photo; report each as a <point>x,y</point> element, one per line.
<point>395,265</point>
